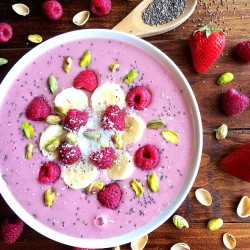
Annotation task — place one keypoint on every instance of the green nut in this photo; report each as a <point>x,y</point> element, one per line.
<point>28,130</point>
<point>94,188</point>
<point>153,182</point>
<point>156,124</point>
<point>117,139</point>
<point>53,85</point>
<point>29,149</point>
<point>130,77</point>
<point>225,78</point>
<point>114,66</point>
<point>49,197</point>
<point>180,222</point>
<point>85,59</point>
<point>52,145</point>
<point>53,119</point>
<point>71,138</point>
<point>92,134</point>
<point>35,38</point>
<point>170,135</point>
<point>60,110</point>
<point>221,132</point>
<point>67,64</point>
<point>3,61</point>
<point>215,224</point>
<point>137,187</point>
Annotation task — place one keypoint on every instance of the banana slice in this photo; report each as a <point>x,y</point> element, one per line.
<point>108,94</point>
<point>49,139</point>
<point>134,128</point>
<point>70,98</point>
<point>122,167</point>
<point>80,175</point>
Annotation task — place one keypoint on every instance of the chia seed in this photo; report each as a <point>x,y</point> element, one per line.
<point>162,11</point>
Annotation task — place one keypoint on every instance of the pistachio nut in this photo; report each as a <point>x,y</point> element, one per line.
<point>52,145</point>
<point>170,135</point>
<point>85,59</point>
<point>221,132</point>
<point>137,187</point>
<point>3,61</point>
<point>130,77</point>
<point>229,241</point>
<point>114,66</point>
<point>180,222</point>
<point>243,209</point>
<point>92,134</point>
<point>28,130</point>
<point>225,78</point>
<point>139,243</point>
<point>153,182</point>
<point>60,110</point>
<point>53,119</point>
<point>203,196</point>
<point>180,246</point>
<point>53,85</point>
<point>71,138</point>
<point>215,224</point>
<point>49,197</point>
<point>67,64</point>
<point>29,149</point>
<point>117,139</point>
<point>156,124</point>
<point>35,38</point>
<point>94,188</point>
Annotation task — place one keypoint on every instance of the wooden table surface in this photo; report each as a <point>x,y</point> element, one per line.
<point>226,190</point>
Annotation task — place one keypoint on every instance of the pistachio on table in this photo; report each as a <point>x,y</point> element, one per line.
<point>3,61</point>
<point>203,196</point>
<point>21,9</point>
<point>243,209</point>
<point>180,222</point>
<point>215,224</point>
<point>225,78</point>
<point>221,132</point>
<point>81,17</point>
<point>35,38</point>
<point>139,243</point>
<point>229,241</point>
<point>180,246</point>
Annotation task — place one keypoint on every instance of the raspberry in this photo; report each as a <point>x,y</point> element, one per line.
<point>234,102</point>
<point>11,229</point>
<point>113,118</point>
<point>100,7</point>
<point>52,9</point>
<point>139,97</point>
<point>243,50</point>
<point>68,154</point>
<point>5,32</point>
<point>38,109</point>
<point>86,79</point>
<point>103,158</point>
<point>74,119</point>
<point>147,157</point>
<point>110,195</point>
<point>49,172</point>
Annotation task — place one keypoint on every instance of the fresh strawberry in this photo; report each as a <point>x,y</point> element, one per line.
<point>206,46</point>
<point>237,163</point>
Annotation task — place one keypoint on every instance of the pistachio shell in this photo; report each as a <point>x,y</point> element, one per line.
<point>81,18</point>
<point>229,241</point>
<point>203,196</point>
<point>170,135</point>
<point>180,222</point>
<point>35,38</point>
<point>139,243</point>
<point>243,209</point>
<point>180,246</point>
<point>21,9</point>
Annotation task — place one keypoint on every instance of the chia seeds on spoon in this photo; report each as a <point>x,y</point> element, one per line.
<point>162,11</point>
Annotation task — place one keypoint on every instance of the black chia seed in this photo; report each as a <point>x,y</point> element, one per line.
<point>162,11</point>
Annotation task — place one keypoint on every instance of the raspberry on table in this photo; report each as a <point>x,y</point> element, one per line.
<point>100,7</point>
<point>113,118</point>
<point>11,229</point>
<point>139,97</point>
<point>38,109</point>
<point>103,158</point>
<point>52,9</point>
<point>49,172</point>
<point>69,154</point>
<point>147,157</point>
<point>75,119</point>
<point>234,102</point>
<point>86,79</point>
<point>243,50</point>
<point>6,32</point>
<point>110,196</point>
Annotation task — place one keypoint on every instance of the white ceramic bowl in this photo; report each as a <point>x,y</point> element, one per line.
<point>196,154</point>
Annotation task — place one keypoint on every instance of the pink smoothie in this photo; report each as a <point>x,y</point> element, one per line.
<point>75,213</point>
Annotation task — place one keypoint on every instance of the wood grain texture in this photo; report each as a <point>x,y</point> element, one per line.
<point>233,15</point>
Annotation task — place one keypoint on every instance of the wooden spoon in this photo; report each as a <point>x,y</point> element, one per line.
<point>133,23</point>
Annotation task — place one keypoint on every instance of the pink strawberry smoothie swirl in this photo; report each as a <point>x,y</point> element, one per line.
<point>75,213</point>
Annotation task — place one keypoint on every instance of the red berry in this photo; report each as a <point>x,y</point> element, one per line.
<point>49,172</point>
<point>139,97</point>
<point>86,79</point>
<point>110,195</point>
<point>103,158</point>
<point>11,229</point>
<point>243,50</point>
<point>100,7</point>
<point>147,157</point>
<point>237,163</point>
<point>52,9</point>
<point>113,118</point>
<point>75,119</point>
<point>5,32</point>
<point>234,102</point>
<point>38,109</point>
<point>69,154</point>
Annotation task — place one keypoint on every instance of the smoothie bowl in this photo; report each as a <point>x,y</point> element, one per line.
<point>101,138</point>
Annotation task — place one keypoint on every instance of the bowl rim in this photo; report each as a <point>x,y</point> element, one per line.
<point>197,149</point>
